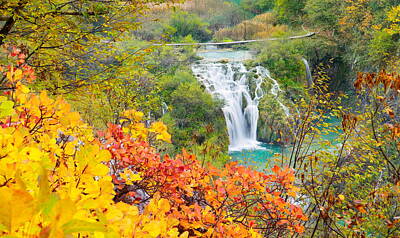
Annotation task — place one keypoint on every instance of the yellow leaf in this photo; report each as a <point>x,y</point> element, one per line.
<point>164,136</point>
<point>164,205</point>
<point>101,170</point>
<point>31,153</point>
<point>134,115</point>
<point>184,235</point>
<point>18,75</point>
<point>6,107</point>
<point>104,156</point>
<point>16,208</point>
<point>129,176</point>
<point>81,225</point>
<point>153,228</point>
<point>173,232</point>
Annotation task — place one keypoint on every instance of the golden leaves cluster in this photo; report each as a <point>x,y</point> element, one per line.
<point>54,178</point>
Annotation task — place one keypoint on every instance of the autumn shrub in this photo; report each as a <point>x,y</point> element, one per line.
<point>349,170</point>
<point>207,201</point>
<point>259,27</point>
<point>58,178</point>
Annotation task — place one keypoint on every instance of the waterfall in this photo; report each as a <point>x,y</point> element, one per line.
<point>164,108</point>
<point>308,73</point>
<point>231,83</point>
<point>224,76</point>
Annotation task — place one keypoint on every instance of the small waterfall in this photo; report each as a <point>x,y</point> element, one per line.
<point>164,108</point>
<point>308,73</point>
<point>231,83</point>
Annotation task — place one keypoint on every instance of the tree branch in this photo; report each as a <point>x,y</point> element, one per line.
<point>4,18</point>
<point>6,29</point>
<point>11,21</point>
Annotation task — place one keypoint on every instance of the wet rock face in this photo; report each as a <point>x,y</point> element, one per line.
<point>273,125</point>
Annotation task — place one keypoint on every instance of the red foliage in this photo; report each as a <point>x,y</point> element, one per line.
<point>207,201</point>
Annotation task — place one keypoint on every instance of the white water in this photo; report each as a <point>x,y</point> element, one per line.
<point>308,73</point>
<point>230,82</point>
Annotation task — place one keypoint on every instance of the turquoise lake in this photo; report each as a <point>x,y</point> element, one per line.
<point>264,157</point>
<point>260,157</point>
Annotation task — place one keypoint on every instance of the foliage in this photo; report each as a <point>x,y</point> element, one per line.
<point>289,11</point>
<point>182,24</point>
<point>324,14</point>
<point>69,42</point>
<point>257,6</point>
<point>194,116</point>
<point>350,186</point>
<point>218,13</point>
<point>226,15</point>
<point>259,27</point>
<point>206,201</point>
<point>272,126</point>
<point>133,84</point>
<point>69,182</point>
<point>284,59</point>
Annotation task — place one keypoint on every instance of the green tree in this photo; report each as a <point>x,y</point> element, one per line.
<point>193,109</point>
<point>324,14</point>
<point>289,11</point>
<point>257,6</point>
<point>183,24</point>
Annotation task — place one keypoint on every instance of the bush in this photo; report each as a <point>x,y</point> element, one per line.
<point>257,6</point>
<point>182,24</point>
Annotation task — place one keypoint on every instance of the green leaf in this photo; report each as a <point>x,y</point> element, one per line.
<point>6,107</point>
<point>3,227</point>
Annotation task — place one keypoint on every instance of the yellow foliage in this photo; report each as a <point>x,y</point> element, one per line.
<point>53,178</point>
<point>138,130</point>
<point>393,17</point>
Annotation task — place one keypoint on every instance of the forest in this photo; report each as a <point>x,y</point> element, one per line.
<point>199,118</point>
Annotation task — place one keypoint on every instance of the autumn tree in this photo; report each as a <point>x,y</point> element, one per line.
<point>71,43</point>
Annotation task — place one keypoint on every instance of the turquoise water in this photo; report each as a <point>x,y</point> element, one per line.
<point>262,158</point>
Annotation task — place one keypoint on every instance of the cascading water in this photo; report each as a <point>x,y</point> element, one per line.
<point>308,73</point>
<point>225,77</point>
<point>230,82</point>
